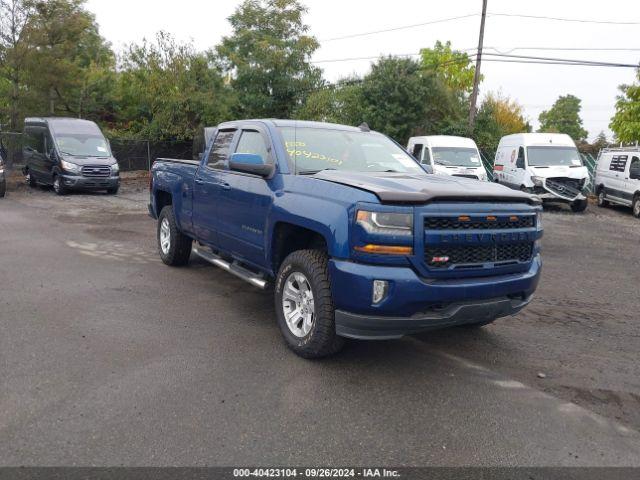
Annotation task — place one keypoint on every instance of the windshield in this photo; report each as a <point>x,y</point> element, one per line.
<point>315,149</point>
<point>82,145</point>
<point>456,157</point>
<point>553,156</point>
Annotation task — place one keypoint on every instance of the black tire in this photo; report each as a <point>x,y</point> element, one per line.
<point>321,340</point>
<point>179,249</point>
<point>635,206</point>
<point>58,186</point>
<point>31,180</point>
<point>579,206</point>
<point>602,202</point>
<point>113,191</point>
<point>3,188</point>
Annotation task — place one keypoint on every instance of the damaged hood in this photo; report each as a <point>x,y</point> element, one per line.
<point>421,188</point>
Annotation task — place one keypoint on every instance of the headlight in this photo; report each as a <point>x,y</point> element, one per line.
<point>386,223</point>
<point>115,168</point>
<point>537,181</point>
<point>70,167</point>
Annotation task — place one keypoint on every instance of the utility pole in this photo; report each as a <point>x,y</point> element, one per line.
<point>476,77</point>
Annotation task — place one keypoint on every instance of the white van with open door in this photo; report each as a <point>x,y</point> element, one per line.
<point>617,177</point>
<point>448,155</point>
<point>547,164</point>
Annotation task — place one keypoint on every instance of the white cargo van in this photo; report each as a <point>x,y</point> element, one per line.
<point>448,155</point>
<point>617,177</point>
<point>547,164</point>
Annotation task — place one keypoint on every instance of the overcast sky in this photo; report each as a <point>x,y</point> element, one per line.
<point>534,86</point>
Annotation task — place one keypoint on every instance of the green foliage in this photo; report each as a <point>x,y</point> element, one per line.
<point>564,117</point>
<point>498,116</point>
<point>396,98</point>
<point>626,121</point>
<point>453,67</point>
<point>166,90</point>
<point>268,55</point>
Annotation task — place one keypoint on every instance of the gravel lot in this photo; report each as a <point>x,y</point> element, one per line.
<point>108,357</point>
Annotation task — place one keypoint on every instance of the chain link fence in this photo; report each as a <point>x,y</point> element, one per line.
<point>131,154</point>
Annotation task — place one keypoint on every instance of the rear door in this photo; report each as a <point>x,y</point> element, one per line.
<point>245,201</point>
<point>207,188</point>
<point>34,152</point>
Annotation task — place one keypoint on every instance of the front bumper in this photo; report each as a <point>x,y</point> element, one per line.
<point>414,303</point>
<point>77,182</point>
<point>364,327</point>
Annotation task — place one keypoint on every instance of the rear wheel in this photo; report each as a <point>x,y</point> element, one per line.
<point>304,306</point>
<point>174,246</point>
<point>58,186</point>
<point>602,198</point>
<point>579,205</point>
<point>3,188</point>
<point>31,180</point>
<point>636,206</point>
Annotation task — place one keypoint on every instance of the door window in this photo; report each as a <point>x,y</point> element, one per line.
<point>220,149</point>
<point>253,142</point>
<point>635,163</point>
<point>417,151</point>
<point>34,140</point>
<point>520,160</point>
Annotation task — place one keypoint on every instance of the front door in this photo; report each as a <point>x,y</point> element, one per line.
<point>207,188</point>
<point>245,201</point>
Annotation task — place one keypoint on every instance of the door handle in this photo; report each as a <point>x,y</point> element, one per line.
<point>199,182</point>
<point>226,186</point>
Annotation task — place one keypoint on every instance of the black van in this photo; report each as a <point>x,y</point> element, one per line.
<point>70,154</point>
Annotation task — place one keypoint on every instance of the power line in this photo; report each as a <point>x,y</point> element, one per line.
<point>402,27</point>
<point>560,49</point>
<point>562,19</point>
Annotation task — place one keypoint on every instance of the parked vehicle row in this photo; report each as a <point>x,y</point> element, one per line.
<point>68,154</point>
<point>357,240</point>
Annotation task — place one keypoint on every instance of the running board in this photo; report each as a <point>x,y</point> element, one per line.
<point>234,268</point>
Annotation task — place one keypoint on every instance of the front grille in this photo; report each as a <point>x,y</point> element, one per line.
<point>568,187</point>
<point>467,256</point>
<point>475,177</point>
<point>479,223</point>
<point>96,171</point>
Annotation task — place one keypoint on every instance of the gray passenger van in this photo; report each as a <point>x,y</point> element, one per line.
<point>69,154</point>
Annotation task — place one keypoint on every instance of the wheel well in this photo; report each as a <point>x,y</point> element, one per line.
<point>162,200</point>
<point>288,238</point>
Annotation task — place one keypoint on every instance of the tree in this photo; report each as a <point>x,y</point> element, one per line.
<point>268,56</point>
<point>453,67</point>
<point>626,121</point>
<point>498,116</point>
<point>564,117</point>
<point>339,103</point>
<point>14,16</point>
<point>167,91</point>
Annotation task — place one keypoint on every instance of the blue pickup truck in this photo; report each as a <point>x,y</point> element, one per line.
<point>356,239</point>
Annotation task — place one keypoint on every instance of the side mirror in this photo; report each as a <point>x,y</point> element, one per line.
<point>520,163</point>
<point>634,173</point>
<point>250,163</point>
<point>427,167</point>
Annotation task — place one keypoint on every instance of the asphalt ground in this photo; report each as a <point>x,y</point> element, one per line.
<point>109,357</point>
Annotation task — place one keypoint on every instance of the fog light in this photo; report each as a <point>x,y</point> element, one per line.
<point>380,290</point>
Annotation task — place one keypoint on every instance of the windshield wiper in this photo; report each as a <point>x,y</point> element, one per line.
<point>313,172</point>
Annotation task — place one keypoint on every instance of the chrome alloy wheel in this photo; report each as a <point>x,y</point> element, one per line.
<point>636,207</point>
<point>165,236</point>
<point>297,304</point>
<point>56,185</point>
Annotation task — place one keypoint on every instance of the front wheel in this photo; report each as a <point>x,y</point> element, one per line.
<point>31,180</point>
<point>112,191</point>
<point>304,306</point>
<point>3,188</point>
<point>174,246</point>
<point>578,206</point>
<point>58,187</point>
